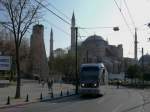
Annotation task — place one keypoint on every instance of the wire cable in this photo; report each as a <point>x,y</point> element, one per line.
<point>53,12</point>
<point>129,14</point>
<point>97,27</point>
<point>124,18</point>
<point>60,29</point>
<point>58,10</point>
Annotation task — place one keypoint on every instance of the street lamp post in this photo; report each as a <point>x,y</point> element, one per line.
<point>135,45</point>
<point>143,66</point>
<point>76,61</point>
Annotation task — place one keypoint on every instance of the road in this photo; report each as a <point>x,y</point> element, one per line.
<point>114,100</point>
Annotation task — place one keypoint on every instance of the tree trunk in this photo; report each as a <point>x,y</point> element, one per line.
<point>18,73</point>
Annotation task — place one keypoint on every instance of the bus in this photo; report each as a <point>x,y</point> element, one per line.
<point>92,78</point>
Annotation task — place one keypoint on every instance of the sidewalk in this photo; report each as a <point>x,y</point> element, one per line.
<point>34,90</point>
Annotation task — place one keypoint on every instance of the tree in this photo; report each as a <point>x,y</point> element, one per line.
<point>65,65</point>
<point>7,47</point>
<point>21,14</point>
<point>134,71</point>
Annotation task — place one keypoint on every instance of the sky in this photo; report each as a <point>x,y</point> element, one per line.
<point>99,13</point>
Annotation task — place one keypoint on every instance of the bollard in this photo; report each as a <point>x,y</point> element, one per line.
<point>52,96</point>
<point>61,94</point>
<point>27,98</point>
<point>41,97</point>
<point>8,101</point>
<point>67,93</point>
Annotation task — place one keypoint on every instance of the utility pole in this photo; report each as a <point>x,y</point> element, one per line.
<point>87,56</point>
<point>143,66</point>
<point>76,55</point>
<point>135,45</point>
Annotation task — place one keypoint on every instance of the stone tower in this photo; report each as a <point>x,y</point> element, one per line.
<point>39,63</point>
<point>73,35</point>
<point>51,54</point>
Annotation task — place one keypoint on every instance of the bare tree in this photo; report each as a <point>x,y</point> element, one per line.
<point>21,15</point>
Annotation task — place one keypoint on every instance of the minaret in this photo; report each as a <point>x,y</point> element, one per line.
<point>51,45</point>
<point>135,45</point>
<point>73,36</point>
<point>73,23</point>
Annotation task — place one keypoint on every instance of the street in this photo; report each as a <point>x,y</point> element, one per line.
<point>114,100</point>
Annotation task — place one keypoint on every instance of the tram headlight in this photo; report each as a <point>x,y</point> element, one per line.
<point>95,85</point>
<point>82,85</point>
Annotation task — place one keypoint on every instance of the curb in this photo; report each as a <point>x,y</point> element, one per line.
<point>15,105</point>
<point>36,101</point>
<point>51,99</point>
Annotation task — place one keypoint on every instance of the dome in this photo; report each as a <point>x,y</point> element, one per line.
<point>146,59</point>
<point>95,39</point>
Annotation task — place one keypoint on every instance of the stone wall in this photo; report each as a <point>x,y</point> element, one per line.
<point>94,50</point>
<point>38,58</point>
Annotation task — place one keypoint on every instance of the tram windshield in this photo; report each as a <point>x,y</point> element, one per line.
<point>89,73</point>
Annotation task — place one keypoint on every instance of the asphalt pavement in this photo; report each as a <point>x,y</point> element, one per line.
<point>114,100</point>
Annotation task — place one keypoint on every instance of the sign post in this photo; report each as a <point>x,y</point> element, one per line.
<point>5,63</point>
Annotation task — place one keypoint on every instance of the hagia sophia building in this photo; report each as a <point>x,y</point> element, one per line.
<point>95,49</point>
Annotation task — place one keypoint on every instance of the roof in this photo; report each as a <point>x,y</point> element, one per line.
<point>146,59</point>
<point>95,39</point>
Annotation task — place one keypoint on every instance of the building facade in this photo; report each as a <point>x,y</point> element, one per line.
<point>95,49</point>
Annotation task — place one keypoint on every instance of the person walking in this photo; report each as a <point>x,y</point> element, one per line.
<point>118,83</point>
<point>43,83</point>
<point>50,85</point>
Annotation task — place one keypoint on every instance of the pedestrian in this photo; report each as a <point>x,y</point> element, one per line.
<point>43,83</point>
<point>50,84</point>
<point>39,80</point>
<point>118,83</point>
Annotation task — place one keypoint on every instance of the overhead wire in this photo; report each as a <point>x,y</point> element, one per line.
<point>129,13</point>
<point>97,27</point>
<point>58,10</point>
<point>126,20</point>
<point>53,13</point>
<point>131,17</point>
<point>58,16</point>
<point>63,18</point>
<point>123,18</point>
<point>60,29</point>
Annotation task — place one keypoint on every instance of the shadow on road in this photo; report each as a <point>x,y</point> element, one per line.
<point>76,98</point>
